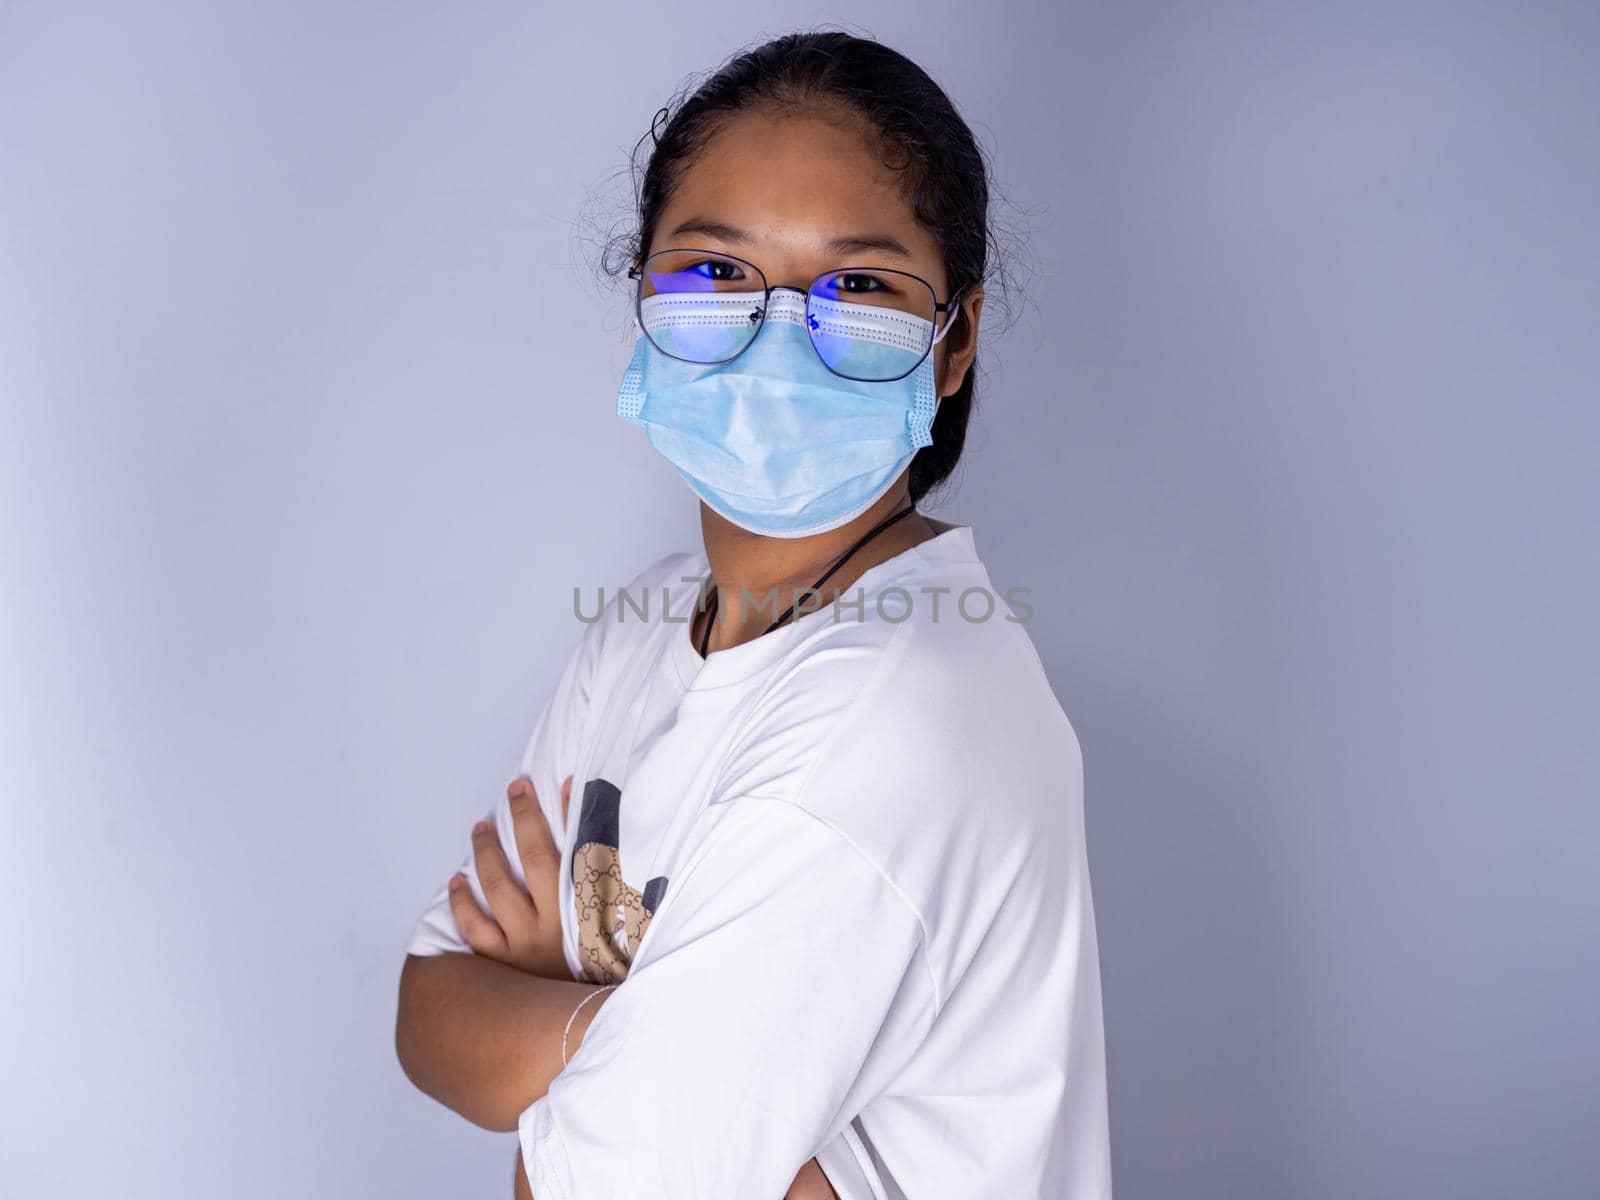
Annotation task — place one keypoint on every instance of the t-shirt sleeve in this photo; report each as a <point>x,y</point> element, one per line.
<point>781,985</point>
<point>547,759</point>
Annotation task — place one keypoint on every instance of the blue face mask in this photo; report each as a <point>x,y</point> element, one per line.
<point>773,440</point>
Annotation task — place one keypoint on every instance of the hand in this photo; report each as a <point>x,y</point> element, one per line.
<point>523,926</point>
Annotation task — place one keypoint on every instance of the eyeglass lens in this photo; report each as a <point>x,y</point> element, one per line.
<point>865,323</point>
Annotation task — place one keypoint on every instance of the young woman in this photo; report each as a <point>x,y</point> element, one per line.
<point>790,896</point>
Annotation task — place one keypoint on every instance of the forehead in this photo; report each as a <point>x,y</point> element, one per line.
<point>795,183</point>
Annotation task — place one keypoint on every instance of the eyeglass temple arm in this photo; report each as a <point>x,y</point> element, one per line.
<point>949,307</point>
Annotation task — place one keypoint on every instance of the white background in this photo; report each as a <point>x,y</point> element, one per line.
<point>306,435</point>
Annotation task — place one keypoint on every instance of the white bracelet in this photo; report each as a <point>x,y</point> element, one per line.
<point>574,1017</point>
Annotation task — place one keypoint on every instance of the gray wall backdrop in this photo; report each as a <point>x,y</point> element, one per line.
<point>306,434</point>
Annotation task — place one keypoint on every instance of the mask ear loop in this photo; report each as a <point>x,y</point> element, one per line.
<point>952,312</point>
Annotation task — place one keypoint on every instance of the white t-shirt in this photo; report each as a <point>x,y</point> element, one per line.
<point>841,871</point>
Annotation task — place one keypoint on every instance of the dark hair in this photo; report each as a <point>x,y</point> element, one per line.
<point>945,174</point>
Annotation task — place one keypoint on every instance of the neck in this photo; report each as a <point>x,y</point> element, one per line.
<point>745,563</point>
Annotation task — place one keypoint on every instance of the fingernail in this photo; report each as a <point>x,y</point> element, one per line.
<point>519,787</point>
<point>481,827</point>
<point>456,883</point>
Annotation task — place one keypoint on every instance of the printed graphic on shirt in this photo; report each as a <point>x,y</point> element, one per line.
<point>612,916</point>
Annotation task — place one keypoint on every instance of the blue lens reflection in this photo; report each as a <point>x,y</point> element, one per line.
<point>866,341</point>
<point>692,321</point>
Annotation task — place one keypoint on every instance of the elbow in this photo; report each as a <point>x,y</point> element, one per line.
<point>409,1040</point>
<point>496,1118</point>
<point>424,1054</point>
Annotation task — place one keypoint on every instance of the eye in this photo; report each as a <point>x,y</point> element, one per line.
<point>716,269</point>
<point>857,284</point>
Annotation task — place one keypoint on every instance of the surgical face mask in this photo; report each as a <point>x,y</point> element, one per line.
<point>773,440</point>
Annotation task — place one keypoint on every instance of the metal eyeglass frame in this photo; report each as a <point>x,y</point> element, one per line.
<point>637,273</point>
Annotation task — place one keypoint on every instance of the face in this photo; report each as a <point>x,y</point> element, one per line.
<point>799,196</point>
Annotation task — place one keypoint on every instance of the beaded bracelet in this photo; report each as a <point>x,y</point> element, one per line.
<point>574,1017</point>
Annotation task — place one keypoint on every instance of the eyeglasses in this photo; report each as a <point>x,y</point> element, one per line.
<point>870,324</point>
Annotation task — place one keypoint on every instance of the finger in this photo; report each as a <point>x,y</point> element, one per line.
<point>566,798</point>
<point>482,934</point>
<point>536,846</point>
<point>508,903</point>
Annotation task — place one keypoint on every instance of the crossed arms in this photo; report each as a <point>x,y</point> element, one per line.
<point>482,1032</point>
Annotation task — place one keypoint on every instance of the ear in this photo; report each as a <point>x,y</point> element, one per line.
<point>960,346</point>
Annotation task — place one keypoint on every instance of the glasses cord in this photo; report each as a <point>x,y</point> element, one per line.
<point>711,608</point>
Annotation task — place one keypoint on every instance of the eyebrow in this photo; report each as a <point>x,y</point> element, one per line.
<point>839,245</point>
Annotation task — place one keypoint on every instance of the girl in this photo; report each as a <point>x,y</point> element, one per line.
<point>790,895</point>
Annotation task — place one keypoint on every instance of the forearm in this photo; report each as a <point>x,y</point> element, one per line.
<point>482,1038</point>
